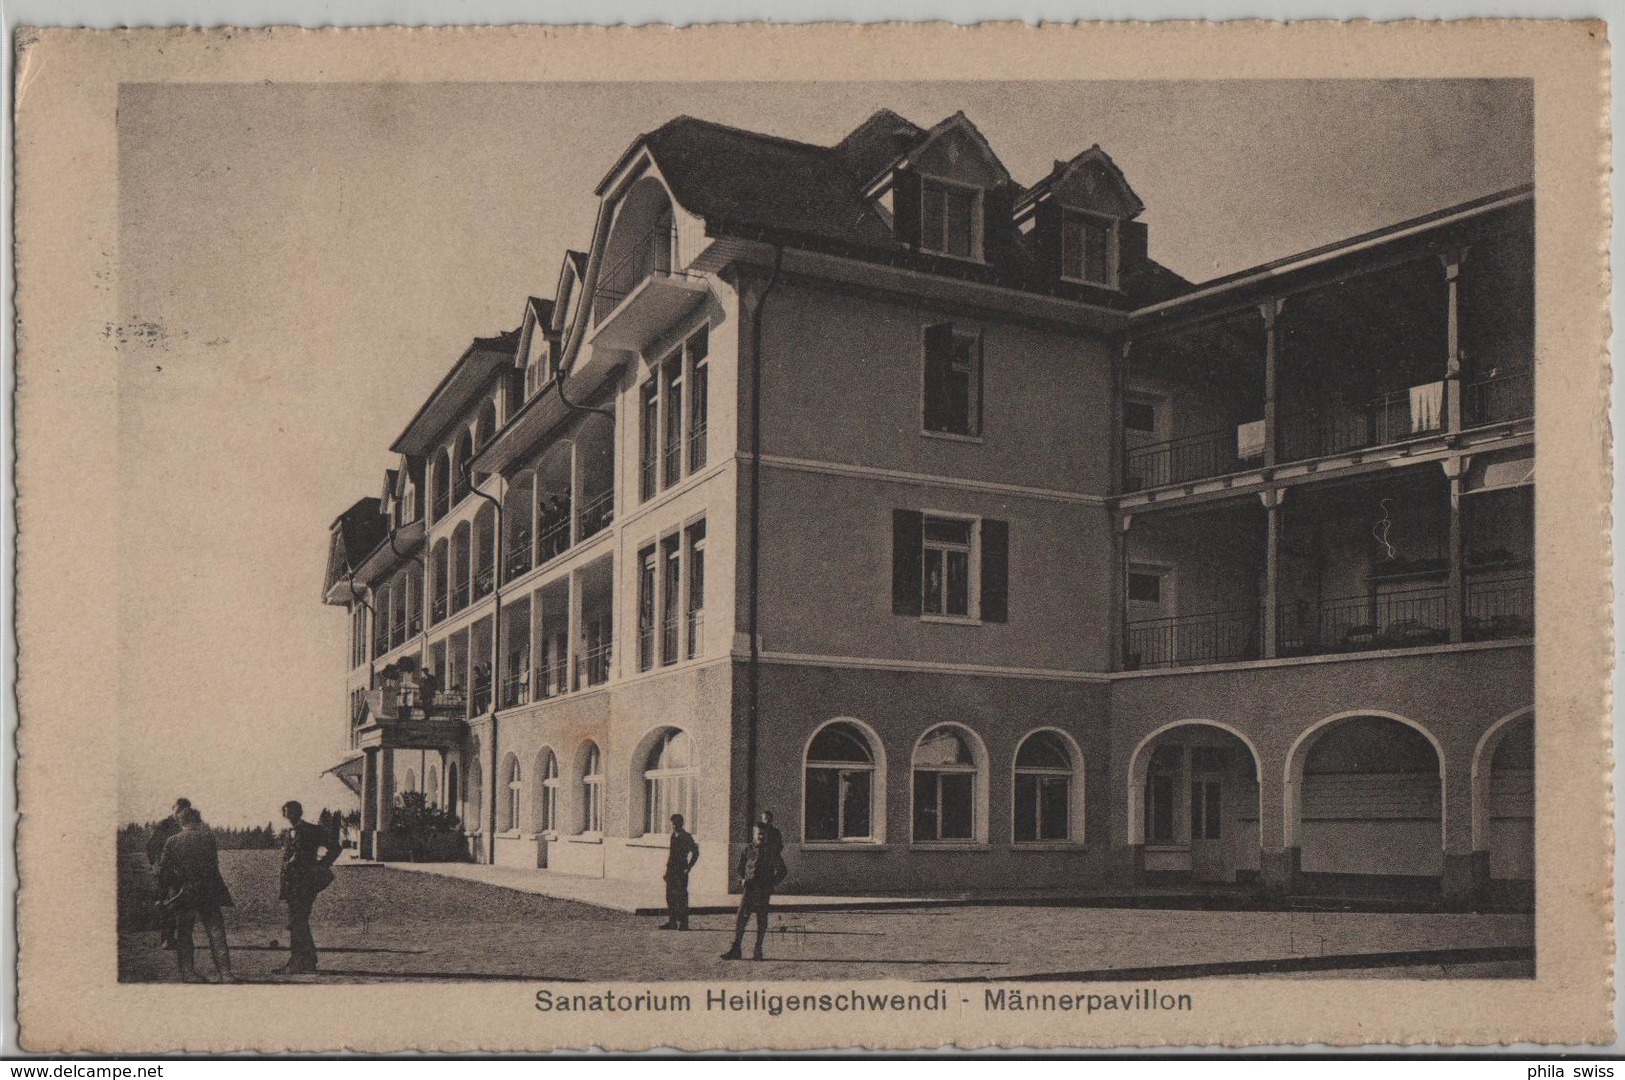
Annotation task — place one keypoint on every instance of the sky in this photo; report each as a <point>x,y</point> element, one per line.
<point>298,266</point>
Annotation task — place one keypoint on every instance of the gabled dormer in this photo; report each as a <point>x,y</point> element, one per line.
<point>1080,219</point>
<point>538,351</point>
<point>947,193</point>
<point>353,536</point>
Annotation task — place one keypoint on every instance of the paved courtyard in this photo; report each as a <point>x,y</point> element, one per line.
<point>378,923</point>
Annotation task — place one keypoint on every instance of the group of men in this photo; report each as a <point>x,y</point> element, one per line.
<point>186,860</point>
<point>761,869</point>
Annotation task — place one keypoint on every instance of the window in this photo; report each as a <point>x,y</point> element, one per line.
<point>513,794</point>
<point>947,583</point>
<point>648,438</point>
<point>1145,588</point>
<point>668,782</point>
<point>699,348</point>
<point>840,785</point>
<point>1208,763</point>
<point>1140,416</point>
<point>1166,764</point>
<point>1088,251</point>
<point>671,451</point>
<point>358,636</point>
<point>948,219</point>
<point>695,618</point>
<point>440,486</point>
<point>547,806</point>
<point>945,787</point>
<point>474,795</point>
<point>461,474</point>
<point>950,567</point>
<point>646,608</point>
<point>953,381</point>
<point>592,789</point>
<point>671,577</point>
<point>1043,788</point>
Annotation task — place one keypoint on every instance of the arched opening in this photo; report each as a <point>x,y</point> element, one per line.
<point>595,461</point>
<point>439,581</point>
<point>460,587</point>
<point>485,550</point>
<point>1365,795</point>
<point>1504,799</point>
<point>546,818</point>
<point>474,797</point>
<point>431,787</point>
<point>486,425</point>
<point>461,475</point>
<point>440,486</point>
<point>950,786</point>
<point>518,505</point>
<point>1048,789</point>
<point>590,798</point>
<point>552,486</point>
<point>454,793</point>
<point>642,242</point>
<point>668,772</point>
<point>844,785</point>
<point>510,793</point>
<point>1193,801</point>
<point>410,781</point>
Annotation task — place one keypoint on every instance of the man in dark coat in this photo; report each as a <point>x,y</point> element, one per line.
<point>155,851</point>
<point>304,874</point>
<point>189,874</point>
<point>680,859</point>
<point>761,869</point>
<point>771,836</point>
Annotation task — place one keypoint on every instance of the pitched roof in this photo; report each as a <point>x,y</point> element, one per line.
<point>1093,155</point>
<point>876,143</point>
<point>356,532</point>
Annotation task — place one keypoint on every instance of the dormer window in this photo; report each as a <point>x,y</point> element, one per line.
<point>1089,249</point>
<point>949,219</point>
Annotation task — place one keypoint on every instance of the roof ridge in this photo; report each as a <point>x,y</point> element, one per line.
<point>763,135</point>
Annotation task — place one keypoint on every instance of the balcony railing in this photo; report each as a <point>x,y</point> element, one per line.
<point>1392,417</point>
<point>480,698</point>
<point>554,540</point>
<point>597,511</point>
<point>516,689</point>
<point>652,253</point>
<point>459,596</point>
<point>441,701</point>
<point>646,480</point>
<point>437,608</point>
<point>1179,461</point>
<point>696,448</point>
<point>592,666</point>
<point>414,625</point>
<point>555,678</point>
<point>517,561</point>
<point>646,648</point>
<point>1386,619</point>
<point>1214,638</point>
<point>484,580</point>
<point>668,640</point>
<point>1500,606</point>
<point>1498,398</point>
<point>696,632</point>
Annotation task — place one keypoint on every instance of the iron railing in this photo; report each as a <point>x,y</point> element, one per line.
<point>480,698</point>
<point>1498,398</point>
<point>696,632</point>
<point>484,580</point>
<point>696,447</point>
<point>592,666</point>
<point>1212,638</point>
<point>597,511</point>
<point>459,596</point>
<point>1389,418</point>
<point>668,640</point>
<point>646,648</point>
<point>646,479</point>
<point>516,689</point>
<point>555,678</point>
<point>517,561</point>
<point>1501,607</point>
<point>437,608</point>
<point>1177,461</point>
<point>1381,619</point>
<point>553,541</point>
<point>653,253</point>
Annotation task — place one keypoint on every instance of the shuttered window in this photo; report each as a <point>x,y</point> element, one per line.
<point>950,567</point>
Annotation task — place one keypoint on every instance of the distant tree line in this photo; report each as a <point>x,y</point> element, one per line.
<point>133,836</point>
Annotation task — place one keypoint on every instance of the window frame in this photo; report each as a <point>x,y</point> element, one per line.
<point>977,241</point>
<point>1113,241</point>
<point>977,770</point>
<point>975,407</point>
<point>973,577</point>
<point>591,785</point>
<point>1076,821</point>
<point>693,583</point>
<point>876,770</point>
<point>547,796</point>
<point>655,812</point>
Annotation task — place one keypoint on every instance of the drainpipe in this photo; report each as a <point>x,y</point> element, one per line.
<point>496,655</point>
<point>753,669</point>
<point>558,384</point>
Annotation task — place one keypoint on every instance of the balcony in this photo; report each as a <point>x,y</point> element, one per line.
<point>1383,619</point>
<point>516,690</point>
<point>1500,604</point>
<point>554,679</point>
<point>437,608</point>
<point>484,580</point>
<point>643,292</point>
<point>592,666</point>
<point>399,716</point>
<point>518,561</point>
<point>1498,399</point>
<point>1213,638</point>
<point>597,513</point>
<point>1194,457</point>
<point>1391,417</point>
<point>460,594</point>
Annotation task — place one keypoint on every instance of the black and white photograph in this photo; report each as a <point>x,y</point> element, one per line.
<point>997,543</point>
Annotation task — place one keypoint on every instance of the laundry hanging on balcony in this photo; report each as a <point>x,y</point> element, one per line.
<point>1427,407</point>
<point>1250,440</point>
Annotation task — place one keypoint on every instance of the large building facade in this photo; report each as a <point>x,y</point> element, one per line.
<point>867,485</point>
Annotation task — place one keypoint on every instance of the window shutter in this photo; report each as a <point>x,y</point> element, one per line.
<point>995,570</point>
<point>1133,253</point>
<point>905,201</point>
<point>939,354</point>
<point>1047,231</point>
<point>907,561</point>
<point>998,233</point>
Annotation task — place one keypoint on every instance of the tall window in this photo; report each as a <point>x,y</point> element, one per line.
<point>460,472</point>
<point>592,789</point>
<point>953,381</point>
<point>358,636</point>
<point>440,486</point>
<point>671,451</point>
<point>947,581</point>
<point>945,781</point>
<point>668,782</point>
<point>698,348</point>
<point>840,785</point>
<point>512,794</point>
<point>671,577</point>
<point>695,618</point>
<point>1167,762</point>
<point>547,805</point>
<point>1043,788</point>
<point>1086,249</point>
<point>646,608</point>
<point>948,218</point>
<point>648,438</point>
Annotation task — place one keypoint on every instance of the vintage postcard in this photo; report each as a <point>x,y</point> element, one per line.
<point>812,537</point>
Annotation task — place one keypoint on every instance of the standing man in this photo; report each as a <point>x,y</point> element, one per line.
<point>155,851</point>
<point>304,874</point>
<point>684,853</point>
<point>761,868</point>
<point>194,891</point>
<point>771,836</point>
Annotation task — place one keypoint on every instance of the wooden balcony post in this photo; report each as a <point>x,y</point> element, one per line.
<point>1456,589</point>
<point>1272,570</point>
<point>1271,311</point>
<point>1452,261</point>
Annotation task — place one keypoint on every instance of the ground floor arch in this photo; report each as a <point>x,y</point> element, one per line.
<point>1194,805</point>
